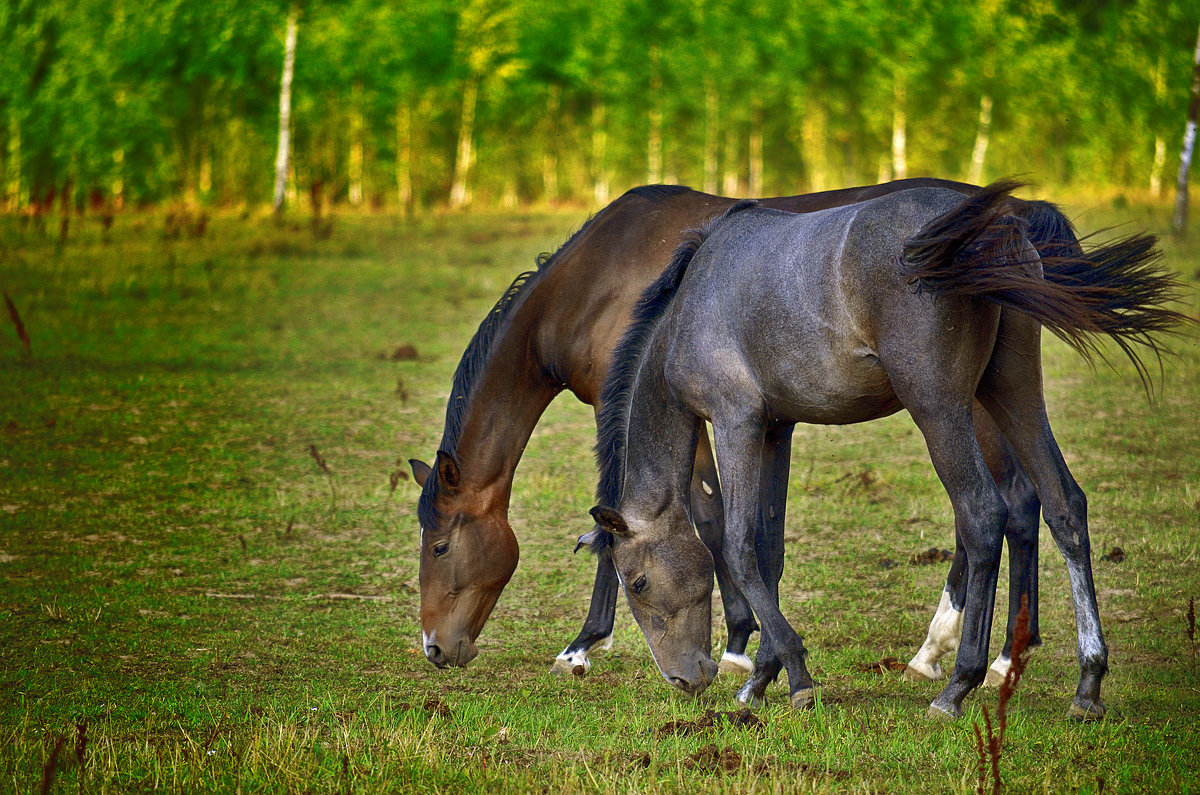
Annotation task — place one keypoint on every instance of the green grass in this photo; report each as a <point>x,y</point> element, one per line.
<point>176,570</point>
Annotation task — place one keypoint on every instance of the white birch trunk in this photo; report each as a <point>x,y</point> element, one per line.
<point>982,135</point>
<point>899,136</point>
<point>712,120</point>
<point>460,193</point>
<point>283,153</point>
<point>600,153</point>
<point>1189,143</point>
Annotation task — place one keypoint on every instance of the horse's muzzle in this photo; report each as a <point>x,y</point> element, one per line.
<point>697,681</point>
<point>456,657</point>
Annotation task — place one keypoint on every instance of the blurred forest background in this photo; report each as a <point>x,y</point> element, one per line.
<point>432,103</point>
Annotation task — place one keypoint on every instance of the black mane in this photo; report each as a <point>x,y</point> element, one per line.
<point>474,360</point>
<point>617,393</point>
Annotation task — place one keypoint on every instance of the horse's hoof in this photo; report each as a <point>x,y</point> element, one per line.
<point>1080,713</point>
<point>566,664</point>
<point>735,664</point>
<point>915,673</point>
<point>748,697</point>
<point>944,712</point>
<point>993,679</point>
<point>804,698</point>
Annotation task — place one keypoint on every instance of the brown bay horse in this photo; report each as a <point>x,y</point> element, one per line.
<point>555,329</point>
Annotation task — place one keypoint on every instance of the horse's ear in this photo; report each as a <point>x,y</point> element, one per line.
<point>590,539</point>
<point>421,471</point>
<point>611,520</point>
<point>447,472</point>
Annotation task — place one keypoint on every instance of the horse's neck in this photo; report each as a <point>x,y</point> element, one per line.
<point>505,405</point>
<point>660,443</point>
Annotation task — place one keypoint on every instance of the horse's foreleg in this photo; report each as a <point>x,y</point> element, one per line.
<point>598,626</point>
<point>741,446</point>
<point>708,514</point>
<point>768,542</point>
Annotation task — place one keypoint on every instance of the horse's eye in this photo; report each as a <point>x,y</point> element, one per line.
<point>440,549</point>
<point>639,584</point>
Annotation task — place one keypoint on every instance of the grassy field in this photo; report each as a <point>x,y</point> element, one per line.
<point>189,602</point>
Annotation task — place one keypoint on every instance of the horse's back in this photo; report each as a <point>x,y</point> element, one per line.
<point>803,312</point>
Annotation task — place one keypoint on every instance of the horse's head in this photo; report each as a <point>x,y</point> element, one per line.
<point>667,574</point>
<point>468,555</point>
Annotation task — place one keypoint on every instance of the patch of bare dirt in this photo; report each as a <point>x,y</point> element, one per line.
<point>931,556</point>
<point>741,719</point>
<point>714,760</point>
<point>883,666</point>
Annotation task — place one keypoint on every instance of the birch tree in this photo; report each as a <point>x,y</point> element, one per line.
<point>282,153</point>
<point>1179,225</point>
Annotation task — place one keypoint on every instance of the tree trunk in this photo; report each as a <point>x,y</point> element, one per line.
<point>655,143</point>
<point>12,167</point>
<point>712,120</point>
<point>354,164</point>
<point>1189,142</point>
<point>404,191</point>
<point>899,135</point>
<point>1156,170</point>
<point>600,152</point>
<point>756,148</point>
<point>460,192</point>
<point>282,155</point>
<point>118,185</point>
<point>812,142</point>
<point>550,154</point>
<point>982,135</point>
<point>731,182</point>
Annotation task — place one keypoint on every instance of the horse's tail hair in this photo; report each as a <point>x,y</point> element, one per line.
<point>1081,293</point>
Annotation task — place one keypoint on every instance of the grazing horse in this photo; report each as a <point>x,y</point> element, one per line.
<point>920,300</point>
<point>554,330</point>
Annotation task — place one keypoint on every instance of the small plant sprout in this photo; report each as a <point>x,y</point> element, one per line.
<point>989,751</point>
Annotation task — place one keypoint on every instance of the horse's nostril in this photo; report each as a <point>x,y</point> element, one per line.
<point>435,655</point>
<point>681,683</point>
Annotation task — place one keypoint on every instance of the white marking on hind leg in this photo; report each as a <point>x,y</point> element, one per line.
<point>999,669</point>
<point>735,664</point>
<point>944,632</point>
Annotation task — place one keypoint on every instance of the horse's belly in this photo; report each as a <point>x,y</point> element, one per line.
<point>834,389</point>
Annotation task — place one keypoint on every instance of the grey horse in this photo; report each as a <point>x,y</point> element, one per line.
<point>920,300</point>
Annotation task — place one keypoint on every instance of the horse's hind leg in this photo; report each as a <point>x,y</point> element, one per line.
<point>708,514</point>
<point>1021,532</point>
<point>1011,390</point>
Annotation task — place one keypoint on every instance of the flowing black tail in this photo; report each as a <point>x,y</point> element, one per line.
<point>1036,265</point>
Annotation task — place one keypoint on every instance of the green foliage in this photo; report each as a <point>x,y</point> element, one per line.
<point>130,101</point>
